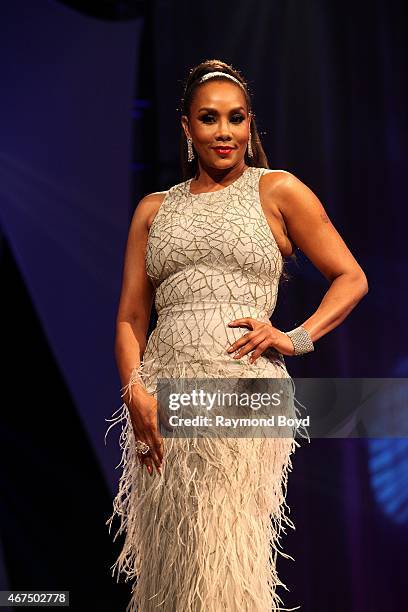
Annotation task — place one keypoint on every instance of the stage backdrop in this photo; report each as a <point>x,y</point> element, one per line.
<point>66,123</point>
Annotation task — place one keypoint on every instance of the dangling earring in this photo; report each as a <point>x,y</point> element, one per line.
<point>250,152</point>
<point>190,152</point>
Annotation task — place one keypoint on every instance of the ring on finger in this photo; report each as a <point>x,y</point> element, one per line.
<point>142,447</point>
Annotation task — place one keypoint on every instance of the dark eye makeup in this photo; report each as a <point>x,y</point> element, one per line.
<point>208,117</point>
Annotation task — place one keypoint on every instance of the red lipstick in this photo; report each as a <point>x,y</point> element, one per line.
<point>223,150</point>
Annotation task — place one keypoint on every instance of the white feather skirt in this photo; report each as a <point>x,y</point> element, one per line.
<point>205,535</point>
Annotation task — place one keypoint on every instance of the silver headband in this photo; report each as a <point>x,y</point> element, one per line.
<point>217,73</point>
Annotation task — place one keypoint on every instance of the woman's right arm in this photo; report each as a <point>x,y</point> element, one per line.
<point>132,323</point>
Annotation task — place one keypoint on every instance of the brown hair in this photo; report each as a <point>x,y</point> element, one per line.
<point>189,169</point>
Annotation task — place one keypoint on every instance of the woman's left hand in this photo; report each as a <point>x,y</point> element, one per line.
<point>261,337</point>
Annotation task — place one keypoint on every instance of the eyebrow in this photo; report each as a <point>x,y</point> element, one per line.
<point>213,110</point>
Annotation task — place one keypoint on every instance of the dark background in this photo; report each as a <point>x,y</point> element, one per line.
<point>89,124</point>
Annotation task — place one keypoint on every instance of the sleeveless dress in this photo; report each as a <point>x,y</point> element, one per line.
<point>206,534</point>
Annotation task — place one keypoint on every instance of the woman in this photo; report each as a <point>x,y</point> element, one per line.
<point>202,517</point>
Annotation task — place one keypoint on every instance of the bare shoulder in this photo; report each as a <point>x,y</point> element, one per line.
<point>272,178</point>
<point>293,198</point>
<point>148,206</point>
<point>289,193</point>
<point>310,228</point>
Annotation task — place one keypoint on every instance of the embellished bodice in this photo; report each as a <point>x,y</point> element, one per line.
<point>214,247</point>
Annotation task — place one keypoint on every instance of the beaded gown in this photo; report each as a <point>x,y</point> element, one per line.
<point>205,536</point>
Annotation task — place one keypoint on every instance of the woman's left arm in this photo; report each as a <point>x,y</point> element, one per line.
<point>310,229</point>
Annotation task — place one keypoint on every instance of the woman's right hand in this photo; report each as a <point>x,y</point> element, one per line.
<point>143,410</point>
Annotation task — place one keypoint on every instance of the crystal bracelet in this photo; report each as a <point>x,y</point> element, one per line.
<point>302,342</point>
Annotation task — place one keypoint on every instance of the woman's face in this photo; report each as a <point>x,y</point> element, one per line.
<point>218,118</point>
